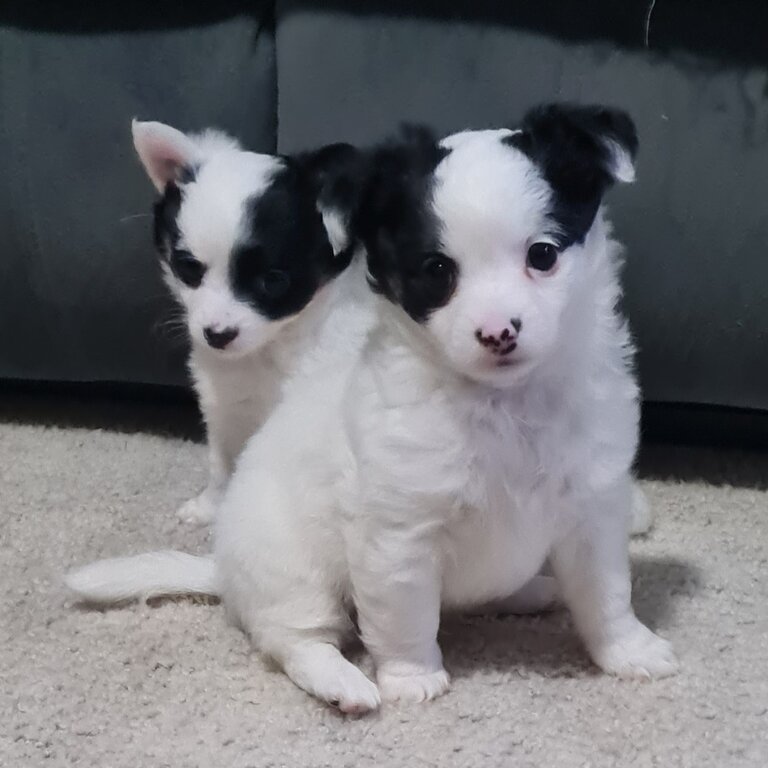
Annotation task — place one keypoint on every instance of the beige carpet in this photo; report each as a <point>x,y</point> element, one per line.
<point>173,685</point>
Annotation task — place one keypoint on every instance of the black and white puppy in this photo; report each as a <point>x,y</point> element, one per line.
<point>246,242</point>
<point>491,422</point>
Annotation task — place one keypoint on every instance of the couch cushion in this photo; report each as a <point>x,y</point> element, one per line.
<point>80,292</point>
<point>695,223</point>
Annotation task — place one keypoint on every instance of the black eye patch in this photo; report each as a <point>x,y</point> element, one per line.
<point>399,230</point>
<point>274,283</point>
<point>429,281</point>
<point>183,264</point>
<point>187,268</point>
<point>165,229</point>
<point>273,291</point>
<point>286,256</point>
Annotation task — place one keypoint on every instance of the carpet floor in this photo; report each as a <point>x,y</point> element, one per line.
<point>172,684</point>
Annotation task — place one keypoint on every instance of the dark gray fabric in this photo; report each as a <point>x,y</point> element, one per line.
<point>696,222</point>
<point>80,292</point>
<point>80,295</point>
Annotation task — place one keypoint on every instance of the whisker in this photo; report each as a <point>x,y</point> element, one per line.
<point>134,216</point>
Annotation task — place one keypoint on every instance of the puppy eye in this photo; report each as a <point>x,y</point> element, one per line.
<point>187,268</point>
<point>437,279</point>
<point>274,283</point>
<point>438,268</point>
<point>542,256</point>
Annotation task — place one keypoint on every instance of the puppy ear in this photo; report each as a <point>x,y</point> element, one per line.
<point>415,152</point>
<point>394,202</point>
<point>166,153</point>
<point>335,174</point>
<point>582,150</point>
<point>396,174</point>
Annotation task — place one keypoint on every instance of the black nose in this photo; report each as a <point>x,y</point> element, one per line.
<point>219,339</point>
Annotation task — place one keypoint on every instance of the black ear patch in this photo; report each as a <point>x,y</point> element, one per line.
<point>394,220</point>
<point>287,255</point>
<point>335,173</point>
<point>581,151</point>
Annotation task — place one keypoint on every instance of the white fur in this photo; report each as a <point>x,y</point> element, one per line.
<point>622,167</point>
<point>149,575</point>
<point>337,229</point>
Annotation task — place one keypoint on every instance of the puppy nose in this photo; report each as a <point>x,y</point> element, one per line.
<point>219,339</point>
<point>499,339</point>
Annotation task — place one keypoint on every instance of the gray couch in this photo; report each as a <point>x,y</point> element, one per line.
<point>80,295</point>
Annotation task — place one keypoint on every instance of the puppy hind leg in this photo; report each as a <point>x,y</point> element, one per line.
<point>319,668</point>
<point>289,600</point>
<point>295,616</point>
<point>302,630</point>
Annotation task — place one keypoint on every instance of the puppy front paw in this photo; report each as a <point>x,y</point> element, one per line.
<point>198,511</point>
<point>638,654</point>
<point>413,689</point>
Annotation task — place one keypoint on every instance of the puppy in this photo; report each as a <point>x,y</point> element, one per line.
<point>245,241</point>
<point>488,423</point>
<point>491,423</point>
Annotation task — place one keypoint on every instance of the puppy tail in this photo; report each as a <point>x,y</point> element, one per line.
<point>153,574</point>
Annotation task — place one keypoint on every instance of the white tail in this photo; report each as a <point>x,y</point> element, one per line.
<point>153,574</point>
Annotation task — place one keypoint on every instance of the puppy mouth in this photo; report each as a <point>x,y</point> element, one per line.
<point>512,363</point>
<point>504,353</point>
<point>503,358</point>
<point>230,352</point>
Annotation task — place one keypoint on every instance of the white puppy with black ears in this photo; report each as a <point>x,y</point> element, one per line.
<point>491,424</point>
<point>245,240</point>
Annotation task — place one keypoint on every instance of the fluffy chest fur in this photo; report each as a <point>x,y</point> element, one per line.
<point>235,396</point>
<point>459,464</point>
<point>495,474</point>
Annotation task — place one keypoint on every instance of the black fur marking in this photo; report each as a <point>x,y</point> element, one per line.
<point>165,229</point>
<point>569,144</point>
<point>397,227</point>
<point>187,268</point>
<point>287,235</point>
<point>335,174</point>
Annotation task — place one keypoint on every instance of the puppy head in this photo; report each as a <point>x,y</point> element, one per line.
<point>479,237</point>
<point>245,240</point>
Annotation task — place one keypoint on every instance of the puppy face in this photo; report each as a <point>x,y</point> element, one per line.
<point>241,236</point>
<point>480,238</point>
